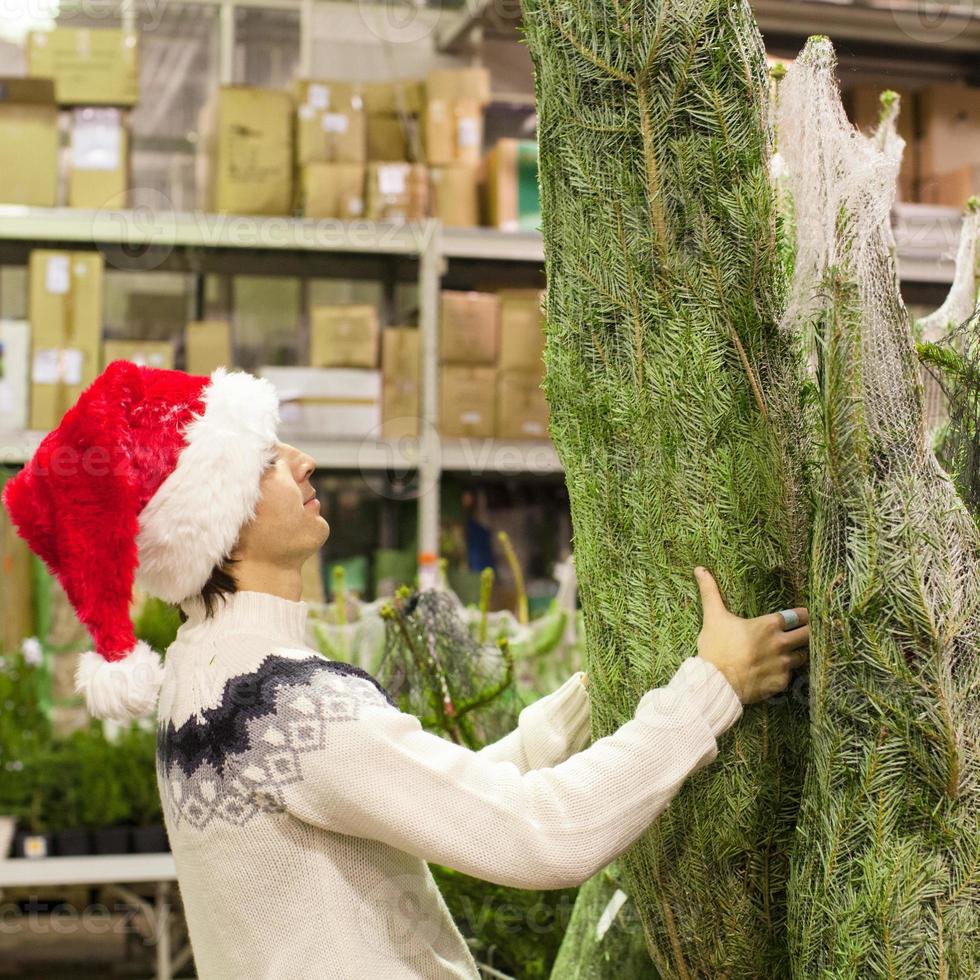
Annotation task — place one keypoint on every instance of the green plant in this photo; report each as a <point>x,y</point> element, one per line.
<point>678,410</point>
<point>138,775</point>
<point>157,623</point>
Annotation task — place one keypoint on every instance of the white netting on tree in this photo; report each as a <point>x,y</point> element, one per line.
<point>886,870</point>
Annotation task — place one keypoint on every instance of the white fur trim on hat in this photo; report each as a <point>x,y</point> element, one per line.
<point>120,689</point>
<point>193,520</point>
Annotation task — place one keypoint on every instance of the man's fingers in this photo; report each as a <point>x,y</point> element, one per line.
<point>801,611</point>
<point>711,599</point>
<point>798,658</point>
<point>791,639</point>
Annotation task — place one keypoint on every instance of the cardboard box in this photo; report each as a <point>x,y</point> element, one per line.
<point>89,67</point>
<point>334,190</point>
<point>950,123</point>
<point>149,353</point>
<point>245,155</point>
<point>331,122</point>
<point>404,95</point>
<point>389,137</point>
<point>328,402</point>
<point>511,194</point>
<point>28,142</point>
<point>953,189</point>
<point>15,359</point>
<point>99,172</point>
<point>452,131</point>
<point>66,330</point>
<point>522,408</point>
<point>400,350</point>
<point>455,197</point>
<point>344,336</point>
<point>522,334</point>
<point>207,345</point>
<point>16,585</point>
<point>397,192</point>
<point>459,83</point>
<point>863,105</point>
<point>468,327</point>
<point>467,401</point>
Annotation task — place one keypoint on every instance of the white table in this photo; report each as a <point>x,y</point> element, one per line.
<point>115,871</point>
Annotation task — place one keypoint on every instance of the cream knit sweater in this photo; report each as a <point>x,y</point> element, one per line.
<point>302,805</point>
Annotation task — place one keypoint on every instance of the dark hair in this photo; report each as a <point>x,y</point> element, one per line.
<point>221,583</point>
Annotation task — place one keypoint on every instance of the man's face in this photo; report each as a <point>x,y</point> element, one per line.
<point>287,527</point>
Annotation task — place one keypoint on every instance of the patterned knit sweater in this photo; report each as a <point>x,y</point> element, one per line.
<point>302,805</point>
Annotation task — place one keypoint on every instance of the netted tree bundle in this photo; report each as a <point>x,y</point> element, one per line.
<point>676,407</point>
<point>886,869</point>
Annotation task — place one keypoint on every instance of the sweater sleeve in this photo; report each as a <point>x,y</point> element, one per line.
<point>378,774</point>
<point>548,731</point>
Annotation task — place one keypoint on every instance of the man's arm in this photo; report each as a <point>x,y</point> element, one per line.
<point>549,730</point>
<point>369,770</point>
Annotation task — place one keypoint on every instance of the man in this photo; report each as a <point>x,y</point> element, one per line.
<point>300,803</point>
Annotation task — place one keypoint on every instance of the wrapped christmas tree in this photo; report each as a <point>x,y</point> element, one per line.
<point>677,408</point>
<point>886,867</point>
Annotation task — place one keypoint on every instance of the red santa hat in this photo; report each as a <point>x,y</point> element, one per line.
<point>148,478</point>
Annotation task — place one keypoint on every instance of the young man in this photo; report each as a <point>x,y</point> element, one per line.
<point>301,804</point>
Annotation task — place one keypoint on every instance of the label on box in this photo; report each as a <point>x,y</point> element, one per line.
<point>468,131</point>
<point>307,112</point>
<point>57,274</point>
<point>318,96</point>
<point>533,428</point>
<point>334,122</point>
<point>470,418</point>
<point>355,206</point>
<point>62,364</point>
<point>391,180</point>
<point>95,139</point>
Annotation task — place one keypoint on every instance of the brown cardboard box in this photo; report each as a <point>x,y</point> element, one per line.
<point>245,156</point>
<point>453,131</point>
<point>863,105</point>
<point>16,586</point>
<point>397,192</point>
<point>511,186</point>
<point>521,330</point>
<point>99,172</point>
<point>207,345</point>
<point>89,67</point>
<point>522,408</point>
<point>400,382</point>
<point>28,142</point>
<point>459,83</point>
<point>331,123</point>
<point>468,327</point>
<point>389,137</point>
<point>66,329</point>
<point>149,353</point>
<point>953,189</point>
<point>467,401</point>
<point>405,95</point>
<point>950,122</point>
<point>344,336</point>
<point>455,198</point>
<point>334,190</point>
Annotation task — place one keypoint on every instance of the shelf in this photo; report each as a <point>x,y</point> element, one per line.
<point>499,456</point>
<point>489,243</point>
<point>163,228</point>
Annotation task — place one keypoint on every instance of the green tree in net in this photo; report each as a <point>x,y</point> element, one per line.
<point>677,409</point>
<point>886,866</point>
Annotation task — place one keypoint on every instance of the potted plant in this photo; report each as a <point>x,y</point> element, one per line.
<point>139,778</point>
<point>58,773</point>
<point>104,809</point>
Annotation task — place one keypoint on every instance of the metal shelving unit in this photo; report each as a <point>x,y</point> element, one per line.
<point>926,239</point>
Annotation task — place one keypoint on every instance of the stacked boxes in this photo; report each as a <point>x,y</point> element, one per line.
<point>468,329</point>
<point>344,336</point>
<point>66,330</point>
<point>400,352</point>
<point>15,354</point>
<point>89,67</point>
<point>207,345</point>
<point>522,409</point>
<point>512,202</point>
<point>397,192</point>
<point>99,172</point>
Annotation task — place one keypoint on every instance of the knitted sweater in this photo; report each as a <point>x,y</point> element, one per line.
<point>302,805</point>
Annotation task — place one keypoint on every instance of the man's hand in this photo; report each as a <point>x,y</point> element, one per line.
<point>755,655</point>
